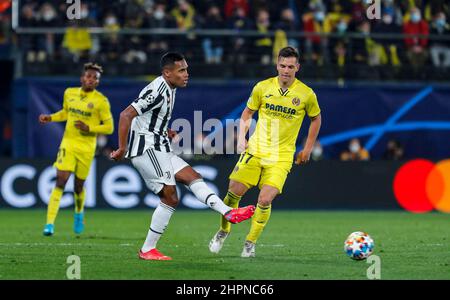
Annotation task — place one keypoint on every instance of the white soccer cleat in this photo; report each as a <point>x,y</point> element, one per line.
<point>217,241</point>
<point>249,249</point>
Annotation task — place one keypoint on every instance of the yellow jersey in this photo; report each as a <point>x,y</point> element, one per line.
<point>93,109</point>
<point>280,116</point>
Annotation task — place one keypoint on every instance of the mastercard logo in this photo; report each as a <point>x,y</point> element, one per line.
<point>421,186</point>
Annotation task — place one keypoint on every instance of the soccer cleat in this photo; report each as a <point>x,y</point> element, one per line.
<point>249,249</point>
<point>217,241</point>
<point>49,230</point>
<point>78,223</point>
<point>237,215</point>
<point>153,254</point>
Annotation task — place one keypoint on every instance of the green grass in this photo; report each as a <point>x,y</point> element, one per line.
<point>295,245</point>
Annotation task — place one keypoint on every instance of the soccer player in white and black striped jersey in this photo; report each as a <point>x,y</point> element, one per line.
<point>151,154</point>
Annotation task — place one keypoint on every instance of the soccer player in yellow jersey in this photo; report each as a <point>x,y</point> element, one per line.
<point>87,113</point>
<point>282,102</point>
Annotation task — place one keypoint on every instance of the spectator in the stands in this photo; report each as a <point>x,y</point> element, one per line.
<point>159,19</point>
<point>440,50</point>
<point>232,5</point>
<point>213,45</point>
<point>263,44</point>
<point>394,150</point>
<point>355,152</point>
<point>287,23</point>
<point>316,46</point>
<point>238,44</point>
<point>416,46</point>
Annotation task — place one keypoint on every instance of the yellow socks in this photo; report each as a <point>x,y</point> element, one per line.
<point>259,220</point>
<point>79,201</point>
<point>231,200</point>
<point>53,205</point>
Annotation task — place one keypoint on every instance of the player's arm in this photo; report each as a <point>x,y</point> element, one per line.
<point>126,116</point>
<point>314,128</point>
<point>59,116</point>
<point>107,122</point>
<point>313,110</point>
<point>106,127</point>
<point>244,126</point>
<point>253,104</point>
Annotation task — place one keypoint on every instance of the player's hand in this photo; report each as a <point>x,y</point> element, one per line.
<point>44,118</point>
<point>82,126</point>
<point>118,154</point>
<point>173,135</point>
<point>242,146</point>
<point>302,157</point>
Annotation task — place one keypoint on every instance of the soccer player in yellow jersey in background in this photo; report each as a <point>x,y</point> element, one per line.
<point>282,102</point>
<point>87,113</point>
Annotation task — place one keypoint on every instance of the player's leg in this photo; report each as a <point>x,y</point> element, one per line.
<point>79,196</point>
<point>235,192</point>
<point>55,198</point>
<point>245,175</point>
<point>65,165</point>
<point>84,161</point>
<point>157,172</point>
<point>160,220</point>
<point>273,177</point>
<point>260,218</point>
<point>185,174</point>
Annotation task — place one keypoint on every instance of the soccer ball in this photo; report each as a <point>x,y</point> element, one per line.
<point>359,245</point>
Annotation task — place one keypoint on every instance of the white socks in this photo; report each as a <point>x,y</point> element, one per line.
<point>203,193</point>
<point>163,212</point>
<point>160,219</point>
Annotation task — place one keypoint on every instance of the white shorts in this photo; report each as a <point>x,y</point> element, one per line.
<point>158,168</point>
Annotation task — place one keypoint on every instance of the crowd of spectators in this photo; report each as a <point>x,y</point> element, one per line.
<point>284,17</point>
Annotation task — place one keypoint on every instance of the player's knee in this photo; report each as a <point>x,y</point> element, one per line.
<point>61,182</point>
<point>196,175</point>
<point>264,200</point>
<point>78,188</point>
<point>237,188</point>
<point>169,195</point>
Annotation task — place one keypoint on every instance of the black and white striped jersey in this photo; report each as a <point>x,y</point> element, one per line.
<point>149,129</point>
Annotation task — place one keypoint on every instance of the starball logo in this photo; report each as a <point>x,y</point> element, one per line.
<point>421,185</point>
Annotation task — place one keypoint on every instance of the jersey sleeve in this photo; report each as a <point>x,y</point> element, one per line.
<point>254,101</point>
<point>312,105</point>
<point>148,99</point>
<point>105,110</point>
<point>66,95</point>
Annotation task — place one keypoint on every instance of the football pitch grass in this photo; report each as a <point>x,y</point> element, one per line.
<point>294,245</point>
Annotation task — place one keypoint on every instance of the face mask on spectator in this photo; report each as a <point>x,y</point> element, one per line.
<point>110,21</point>
<point>440,22</point>
<point>159,14</point>
<point>341,27</point>
<point>319,16</point>
<point>416,17</point>
<point>48,15</point>
<point>317,151</point>
<point>84,13</point>
<point>101,141</point>
<point>387,19</point>
<point>354,147</point>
